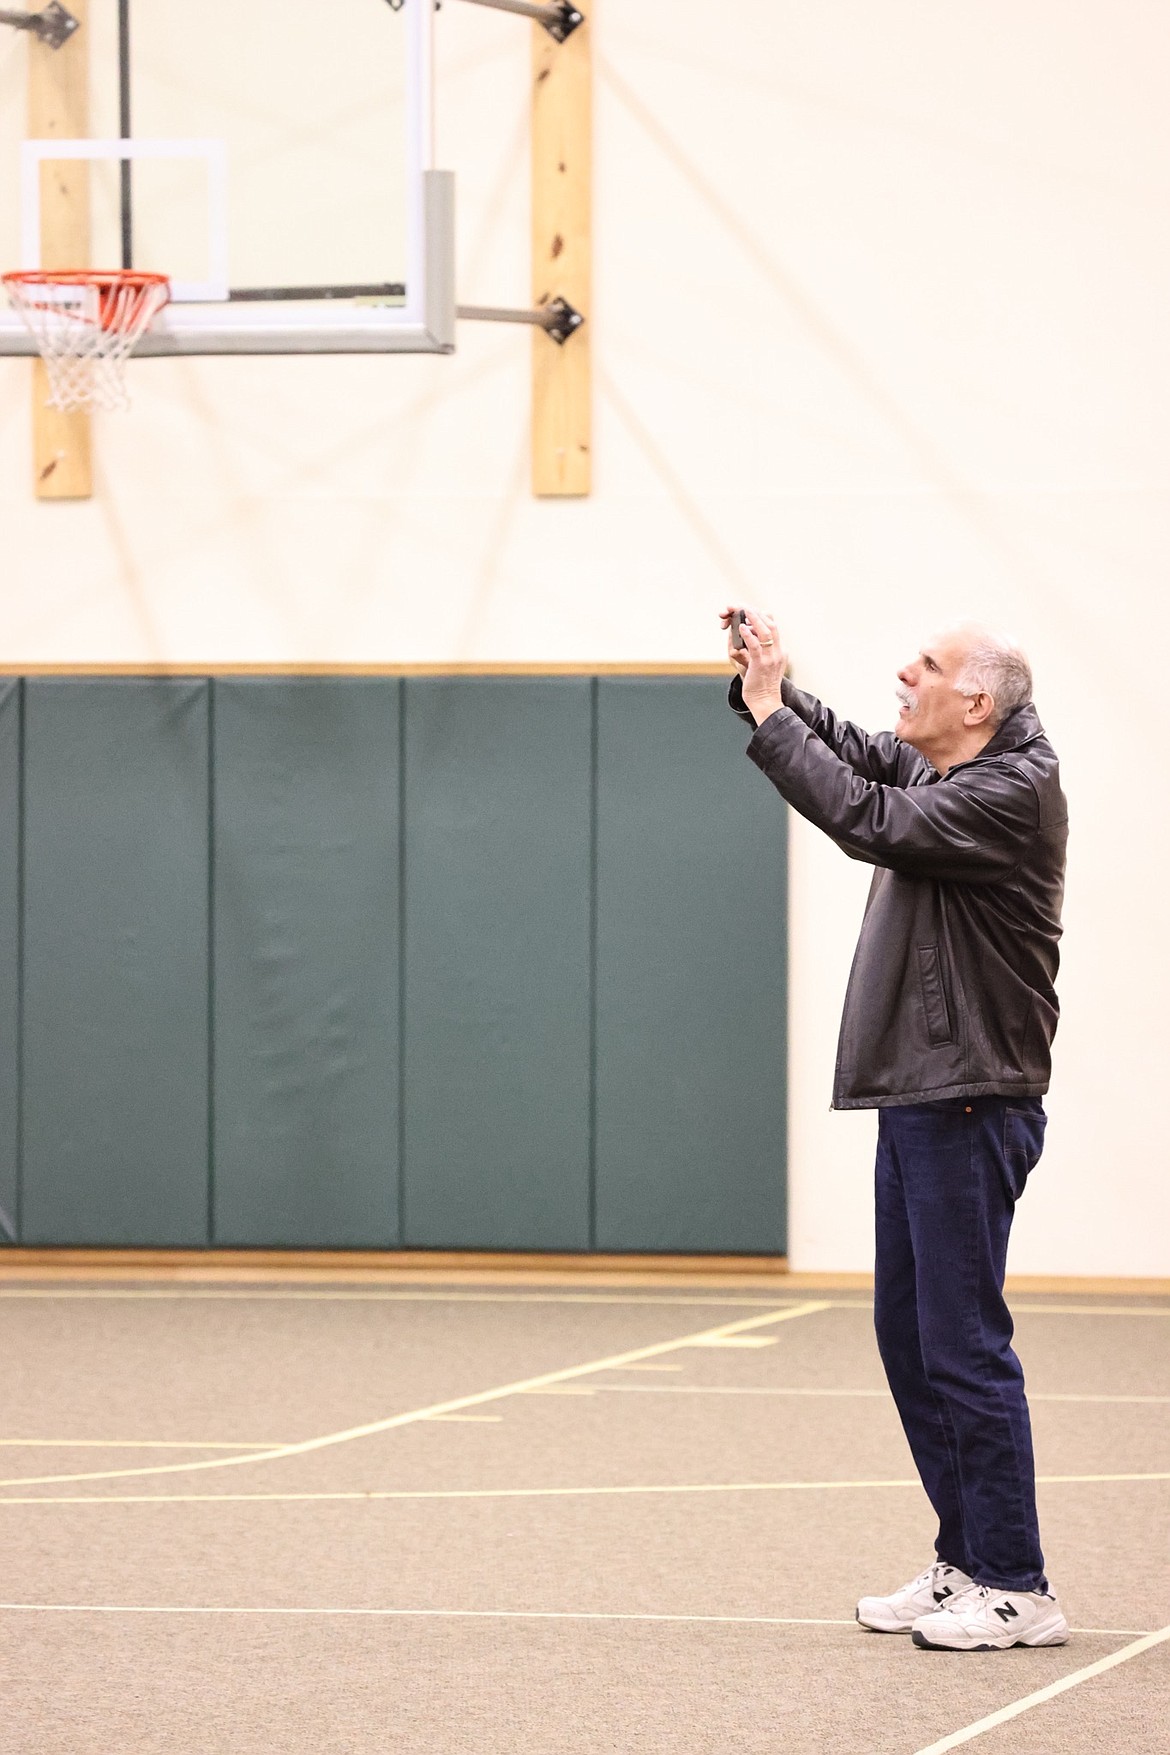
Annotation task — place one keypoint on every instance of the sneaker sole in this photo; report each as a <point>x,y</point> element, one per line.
<point>1045,1634</point>
<point>875,1627</point>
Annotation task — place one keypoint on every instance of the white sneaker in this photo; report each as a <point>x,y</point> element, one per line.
<point>898,1613</point>
<point>984,1619</point>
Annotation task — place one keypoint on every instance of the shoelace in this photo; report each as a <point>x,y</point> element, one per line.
<point>961,1595</point>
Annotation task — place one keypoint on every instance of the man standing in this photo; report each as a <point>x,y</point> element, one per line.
<point>948,1023</point>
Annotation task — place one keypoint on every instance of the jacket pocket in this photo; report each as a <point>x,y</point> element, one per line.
<point>939,1030</point>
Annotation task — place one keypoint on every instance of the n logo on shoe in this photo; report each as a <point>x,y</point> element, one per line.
<point>940,1596</point>
<point>1006,1612</point>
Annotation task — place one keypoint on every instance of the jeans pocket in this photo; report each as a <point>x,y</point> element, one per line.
<point>1023,1142</point>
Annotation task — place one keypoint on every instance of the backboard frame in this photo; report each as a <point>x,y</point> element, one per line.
<point>424,322</point>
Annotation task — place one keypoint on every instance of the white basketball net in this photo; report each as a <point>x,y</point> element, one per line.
<point>85,329</point>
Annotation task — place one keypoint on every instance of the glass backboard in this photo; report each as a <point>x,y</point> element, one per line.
<point>273,160</point>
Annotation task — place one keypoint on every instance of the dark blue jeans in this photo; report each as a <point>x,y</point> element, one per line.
<point>948,1178</point>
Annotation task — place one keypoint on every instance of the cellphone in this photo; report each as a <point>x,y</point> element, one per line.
<point>738,617</point>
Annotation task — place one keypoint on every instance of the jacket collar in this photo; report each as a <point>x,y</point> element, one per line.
<point>1019,728</point>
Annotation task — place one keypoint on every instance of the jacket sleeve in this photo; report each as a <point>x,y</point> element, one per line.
<point>972,827</point>
<point>882,757</point>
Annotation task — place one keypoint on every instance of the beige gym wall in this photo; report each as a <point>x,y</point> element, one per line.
<point>880,338</point>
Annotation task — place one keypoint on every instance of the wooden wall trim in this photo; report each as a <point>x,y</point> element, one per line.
<point>196,669</point>
<point>20,1262</point>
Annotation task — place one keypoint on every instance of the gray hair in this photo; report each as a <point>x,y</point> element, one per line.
<point>997,667</point>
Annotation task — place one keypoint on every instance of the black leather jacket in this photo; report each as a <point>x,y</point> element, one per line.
<point>951,993</point>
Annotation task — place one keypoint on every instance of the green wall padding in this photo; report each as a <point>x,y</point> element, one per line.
<point>115,1026</point>
<point>691,937</point>
<point>329,963</point>
<point>9,957</point>
<point>497,957</point>
<point>306,962</point>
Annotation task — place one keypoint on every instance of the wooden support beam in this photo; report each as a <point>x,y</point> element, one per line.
<point>562,150</point>
<point>58,104</point>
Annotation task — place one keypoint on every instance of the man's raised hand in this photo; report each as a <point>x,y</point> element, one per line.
<point>767,662</point>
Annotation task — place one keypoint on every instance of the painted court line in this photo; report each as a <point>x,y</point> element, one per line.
<point>266,1295</point>
<point>504,1615</point>
<point>135,1443</point>
<point>650,1367</point>
<point>375,1295</point>
<point>456,1405</point>
<point>739,1341</point>
<point>423,1614</point>
<point>1091,1309</point>
<point>1006,1713</point>
<point>844,1394</point>
<point>379,1493</point>
<point>467,1419</point>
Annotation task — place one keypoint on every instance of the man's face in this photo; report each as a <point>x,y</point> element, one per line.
<point>933,712</point>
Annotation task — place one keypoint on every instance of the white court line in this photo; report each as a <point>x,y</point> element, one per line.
<point>742,1389</point>
<point>379,1493</point>
<point>456,1405</point>
<point>134,1443</point>
<point>841,1394</point>
<point>423,1614</point>
<point>488,1615</point>
<point>969,1732</point>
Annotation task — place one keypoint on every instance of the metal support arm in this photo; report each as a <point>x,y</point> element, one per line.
<point>558,319</point>
<point>560,19</point>
<point>53,26</point>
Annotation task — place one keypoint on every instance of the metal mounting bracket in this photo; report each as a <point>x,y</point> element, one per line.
<point>54,26</point>
<point>560,19</point>
<point>558,318</point>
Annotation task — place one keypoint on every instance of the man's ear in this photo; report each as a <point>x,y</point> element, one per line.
<point>980,711</point>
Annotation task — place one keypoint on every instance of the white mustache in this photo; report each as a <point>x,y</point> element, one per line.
<point>908,699</point>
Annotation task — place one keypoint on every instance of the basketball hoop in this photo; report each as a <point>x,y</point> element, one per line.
<point>85,325</point>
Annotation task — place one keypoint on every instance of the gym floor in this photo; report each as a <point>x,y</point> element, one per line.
<point>562,1515</point>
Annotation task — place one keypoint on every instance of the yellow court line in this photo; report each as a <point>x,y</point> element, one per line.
<point>456,1405</point>
<point>1006,1713</point>
<point>556,1389</point>
<point>265,1295</point>
<point>467,1419</point>
<point>484,1615</point>
<point>651,1368</point>
<point>1091,1309</point>
<point>261,1294</point>
<point>744,1341</point>
<point>356,1495</point>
